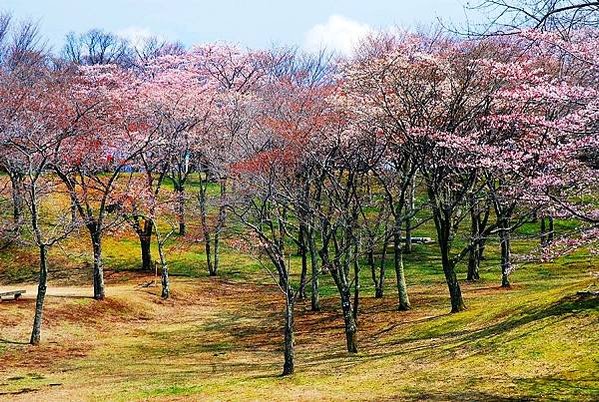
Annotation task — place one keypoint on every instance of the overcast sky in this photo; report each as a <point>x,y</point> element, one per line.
<point>310,24</point>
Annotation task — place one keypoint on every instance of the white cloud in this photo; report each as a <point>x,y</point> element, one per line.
<point>136,35</point>
<point>338,34</point>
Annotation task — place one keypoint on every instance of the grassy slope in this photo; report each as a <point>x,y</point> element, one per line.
<point>221,338</point>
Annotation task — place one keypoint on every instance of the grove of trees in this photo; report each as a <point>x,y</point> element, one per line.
<point>337,160</point>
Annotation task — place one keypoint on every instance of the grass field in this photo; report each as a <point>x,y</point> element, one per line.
<point>221,338</point>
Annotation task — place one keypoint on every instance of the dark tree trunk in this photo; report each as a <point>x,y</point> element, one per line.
<point>443,228</point>
<point>206,229</point>
<point>16,181</point>
<point>351,329</point>
<point>315,294</point>
<point>220,223</point>
<point>41,295</point>
<point>216,260</point>
<point>474,253</point>
<point>289,365</point>
<point>402,289</point>
<point>145,241</point>
<point>304,256</point>
<point>74,213</point>
<point>543,233</point>
<point>166,284</point>
<point>180,190</point>
<point>506,263</point>
<point>98,270</point>
<point>410,210</point>
<point>356,306</point>
<point>455,293</point>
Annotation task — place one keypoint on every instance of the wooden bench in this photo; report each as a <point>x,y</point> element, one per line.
<point>419,240</point>
<point>14,293</point>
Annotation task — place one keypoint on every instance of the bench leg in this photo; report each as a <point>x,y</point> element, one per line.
<point>17,295</point>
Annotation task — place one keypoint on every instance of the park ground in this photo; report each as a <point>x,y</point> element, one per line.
<point>221,338</point>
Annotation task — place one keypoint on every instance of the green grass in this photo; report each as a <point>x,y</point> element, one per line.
<point>220,338</point>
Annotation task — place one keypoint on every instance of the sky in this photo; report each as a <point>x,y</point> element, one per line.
<point>307,24</point>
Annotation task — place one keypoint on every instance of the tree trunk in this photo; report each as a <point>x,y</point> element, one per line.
<point>356,287</point>
<point>402,289</point>
<point>216,259</point>
<point>455,293</point>
<point>506,264</point>
<point>41,295</point>
<point>443,227</point>
<point>473,255</point>
<point>410,210</point>
<point>304,257</point>
<point>220,223</point>
<point>166,284</point>
<point>180,190</point>
<point>351,329</point>
<point>16,181</point>
<point>145,241</point>
<point>98,270</point>
<point>205,228</point>
<point>289,365</point>
<point>315,295</point>
<point>543,233</point>
<point>74,213</point>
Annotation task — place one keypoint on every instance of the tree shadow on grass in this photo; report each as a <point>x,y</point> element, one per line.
<point>463,396</point>
<point>561,309</point>
<point>8,341</point>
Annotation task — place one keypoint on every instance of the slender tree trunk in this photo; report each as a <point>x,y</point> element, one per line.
<point>289,365</point>
<point>410,210</point>
<point>356,306</point>
<point>180,190</point>
<point>41,295</point>
<point>304,273</point>
<point>302,237</point>
<point>315,294</point>
<point>473,255</point>
<point>351,328</point>
<point>206,229</point>
<point>506,264</point>
<point>402,289</point>
<point>145,240</point>
<point>543,233</point>
<point>215,265</point>
<point>98,270</point>
<point>481,249</point>
<point>220,223</point>
<point>16,181</point>
<point>455,293</point>
<point>166,284</point>
<point>74,213</point>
